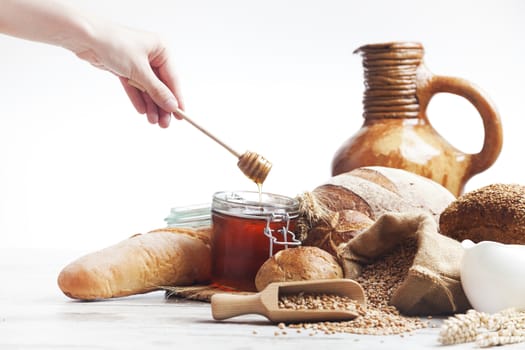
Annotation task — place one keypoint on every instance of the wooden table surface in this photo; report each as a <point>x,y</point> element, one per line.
<point>34,314</point>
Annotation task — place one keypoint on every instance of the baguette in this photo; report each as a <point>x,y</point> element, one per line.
<point>140,264</point>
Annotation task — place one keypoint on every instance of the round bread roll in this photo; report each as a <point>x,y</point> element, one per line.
<point>298,264</point>
<point>492,213</point>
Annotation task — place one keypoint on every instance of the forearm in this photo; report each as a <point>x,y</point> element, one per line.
<point>130,54</point>
<point>47,21</point>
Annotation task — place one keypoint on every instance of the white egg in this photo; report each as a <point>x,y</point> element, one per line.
<point>493,275</point>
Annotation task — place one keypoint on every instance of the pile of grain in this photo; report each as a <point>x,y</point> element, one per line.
<point>323,301</point>
<point>379,281</point>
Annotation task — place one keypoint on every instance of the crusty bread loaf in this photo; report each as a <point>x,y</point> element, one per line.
<point>140,264</point>
<point>351,202</point>
<point>298,264</point>
<point>491,213</point>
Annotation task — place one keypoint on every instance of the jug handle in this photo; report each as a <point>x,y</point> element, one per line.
<point>428,85</point>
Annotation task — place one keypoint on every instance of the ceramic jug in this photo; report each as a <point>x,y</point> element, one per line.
<point>396,131</point>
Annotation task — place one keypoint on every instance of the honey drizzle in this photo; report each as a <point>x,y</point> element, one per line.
<point>259,186</point>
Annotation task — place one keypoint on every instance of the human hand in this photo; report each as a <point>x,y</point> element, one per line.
<point>143,59</point>
<point>132,55</point>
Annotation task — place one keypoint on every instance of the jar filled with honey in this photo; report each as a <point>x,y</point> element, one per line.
<point>248,228</point>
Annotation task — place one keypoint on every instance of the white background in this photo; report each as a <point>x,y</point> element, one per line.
<point>80,169</point>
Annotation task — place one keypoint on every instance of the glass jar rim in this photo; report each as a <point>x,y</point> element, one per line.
<point>247,204</point>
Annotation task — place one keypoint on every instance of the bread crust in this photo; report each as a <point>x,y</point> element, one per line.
<point>298,264</point>
<point>491,213</point>
<point>140,264</point>
<point>345,225</point>
<point>396,191</point>
<point>351,202</point>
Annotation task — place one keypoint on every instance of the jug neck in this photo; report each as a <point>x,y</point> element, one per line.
<point>390,79</point>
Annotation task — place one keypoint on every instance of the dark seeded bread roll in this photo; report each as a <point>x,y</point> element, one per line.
<point>491,213</point>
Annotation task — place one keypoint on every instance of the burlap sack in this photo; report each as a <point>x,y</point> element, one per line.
<point>432,285</point>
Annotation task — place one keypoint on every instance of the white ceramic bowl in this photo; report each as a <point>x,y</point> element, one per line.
<point>493,275</point>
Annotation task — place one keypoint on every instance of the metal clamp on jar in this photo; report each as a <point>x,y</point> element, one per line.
<point>248,228</point>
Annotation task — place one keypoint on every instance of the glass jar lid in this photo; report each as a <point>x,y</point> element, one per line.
<point>251,204</point>
<point>197,215</point>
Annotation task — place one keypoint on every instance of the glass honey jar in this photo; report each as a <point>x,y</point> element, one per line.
<point>247,229</point>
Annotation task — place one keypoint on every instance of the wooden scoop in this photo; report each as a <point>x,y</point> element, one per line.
<point>265,303</point>
<point>254,166</point>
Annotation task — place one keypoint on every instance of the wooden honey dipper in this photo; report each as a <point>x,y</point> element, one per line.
<point>253,165</point>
